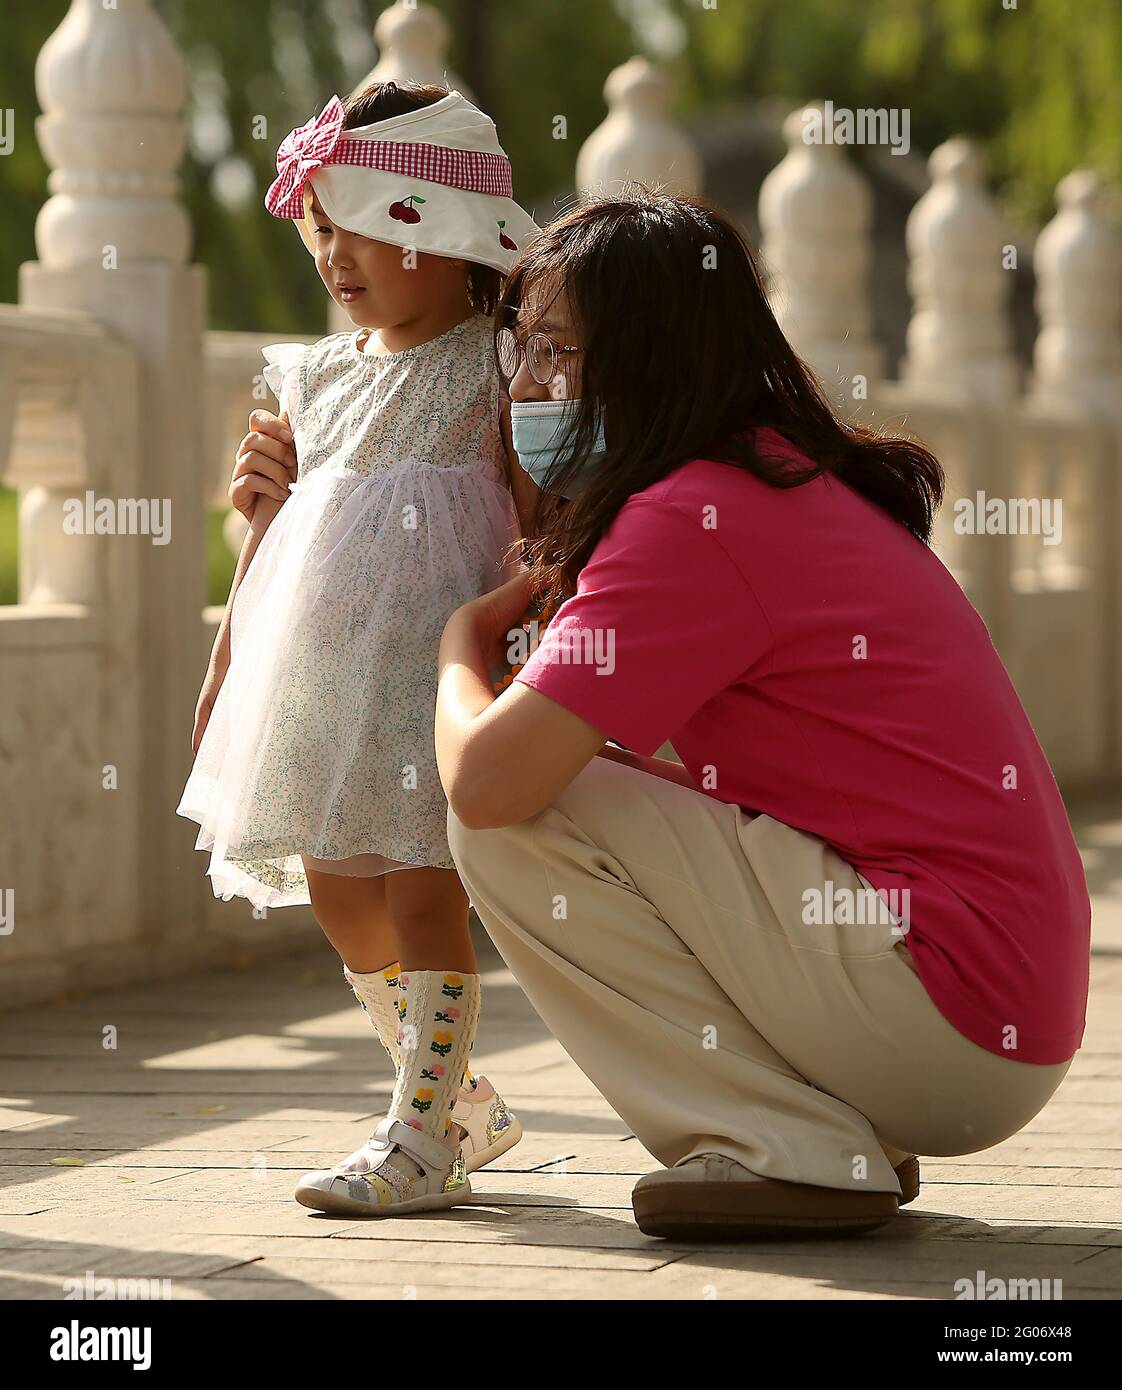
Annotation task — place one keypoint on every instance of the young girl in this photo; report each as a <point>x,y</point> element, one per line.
<point>315,777</point>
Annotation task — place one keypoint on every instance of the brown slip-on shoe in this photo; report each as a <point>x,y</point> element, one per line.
<point>908,1175</point>
<point>711,1197</point>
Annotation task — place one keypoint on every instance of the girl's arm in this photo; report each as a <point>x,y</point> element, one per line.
<point>265,463</point>
<point>263,515</point>
<point>264,466</point>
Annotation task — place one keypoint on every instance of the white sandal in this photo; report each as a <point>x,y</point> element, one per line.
<point>365,1185</point>
<point>489,1128</point>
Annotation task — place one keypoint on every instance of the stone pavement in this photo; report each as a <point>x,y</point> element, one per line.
<point>172,1157</point>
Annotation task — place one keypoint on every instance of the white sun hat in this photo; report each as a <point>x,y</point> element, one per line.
<point>434,180</point>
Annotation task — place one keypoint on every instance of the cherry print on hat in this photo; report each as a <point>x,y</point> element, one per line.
<point>405,211</point>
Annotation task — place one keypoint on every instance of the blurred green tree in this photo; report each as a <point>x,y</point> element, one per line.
<point>1037,82</point>
<point>1039,85</point>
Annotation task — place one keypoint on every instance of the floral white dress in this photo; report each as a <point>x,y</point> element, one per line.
<point>320,742</point>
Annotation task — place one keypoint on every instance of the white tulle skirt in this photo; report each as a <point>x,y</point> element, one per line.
<point>320,743</point>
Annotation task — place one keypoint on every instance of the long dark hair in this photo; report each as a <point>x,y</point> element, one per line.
<point>684,356</point>
<point>378,101</point>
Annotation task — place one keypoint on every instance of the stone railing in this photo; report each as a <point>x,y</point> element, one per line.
<point>1021,458</point>
<point>104,433</point>
<point>115,403</point>
<point>71,690</point>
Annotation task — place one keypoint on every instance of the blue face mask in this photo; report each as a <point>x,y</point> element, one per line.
<point>540,430</point>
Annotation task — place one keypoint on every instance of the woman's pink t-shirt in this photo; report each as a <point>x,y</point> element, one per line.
<point>822,665</point>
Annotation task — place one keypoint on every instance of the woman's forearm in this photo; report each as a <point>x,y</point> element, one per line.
<point>657,767</point>
<point>464,690</point>
<point>501,759</point>
<point>463,693</point>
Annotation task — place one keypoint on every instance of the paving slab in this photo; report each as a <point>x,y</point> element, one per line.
<point>221,1089</point>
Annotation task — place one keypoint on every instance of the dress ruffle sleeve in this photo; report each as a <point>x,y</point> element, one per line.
<point>282,374</point>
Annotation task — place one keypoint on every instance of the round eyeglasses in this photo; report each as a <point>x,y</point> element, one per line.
<point>541,354</point>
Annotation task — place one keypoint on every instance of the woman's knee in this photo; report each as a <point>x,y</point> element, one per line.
<point>479,853</point>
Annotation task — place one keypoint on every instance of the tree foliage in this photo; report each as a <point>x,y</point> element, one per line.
<point>1038,85</point>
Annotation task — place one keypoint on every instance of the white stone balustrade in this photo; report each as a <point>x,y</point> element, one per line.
<point>1045,599</point>
<point>110,385</point>
<point>112,242</point>
<point>815,216</point>
<point>1078,260</point>
<point>961,268</point>
<point>70,657</point>
<point>71,425</point>
<point>412,44</point>
<point>637,141</point>
<point>1076,406</point>
<point>103,657</point>
<point>112,84</point>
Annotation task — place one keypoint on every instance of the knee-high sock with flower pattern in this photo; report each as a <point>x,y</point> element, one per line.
<point>436,1034</point>
<point>378,991</point>
<point>382,997</point>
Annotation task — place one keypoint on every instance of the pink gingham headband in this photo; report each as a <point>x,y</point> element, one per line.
<point>322,141</point>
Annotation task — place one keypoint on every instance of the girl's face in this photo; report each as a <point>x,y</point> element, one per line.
<point>545,309</point>
<point>381,285</point>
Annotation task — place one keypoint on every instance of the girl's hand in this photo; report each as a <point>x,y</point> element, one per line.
<point>265,463</point>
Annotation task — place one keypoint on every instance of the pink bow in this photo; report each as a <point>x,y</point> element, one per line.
<point>303,150</point>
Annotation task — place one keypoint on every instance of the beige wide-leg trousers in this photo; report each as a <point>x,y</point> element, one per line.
<point>660,935</point>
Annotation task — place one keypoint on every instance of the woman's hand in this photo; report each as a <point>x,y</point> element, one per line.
<point>265,463</point>
<point>493,616</point>
<point>501,760</point>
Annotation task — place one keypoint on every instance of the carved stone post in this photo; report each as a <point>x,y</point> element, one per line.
<point>638,140</point>
<point>114,241</point>
<point>412,44</point>
<point>959,277</point>
<point>815,216</point>
<point>1078,260</point>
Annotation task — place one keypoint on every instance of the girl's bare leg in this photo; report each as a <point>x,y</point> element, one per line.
<point>354,916</point>
<point>428,913</point>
